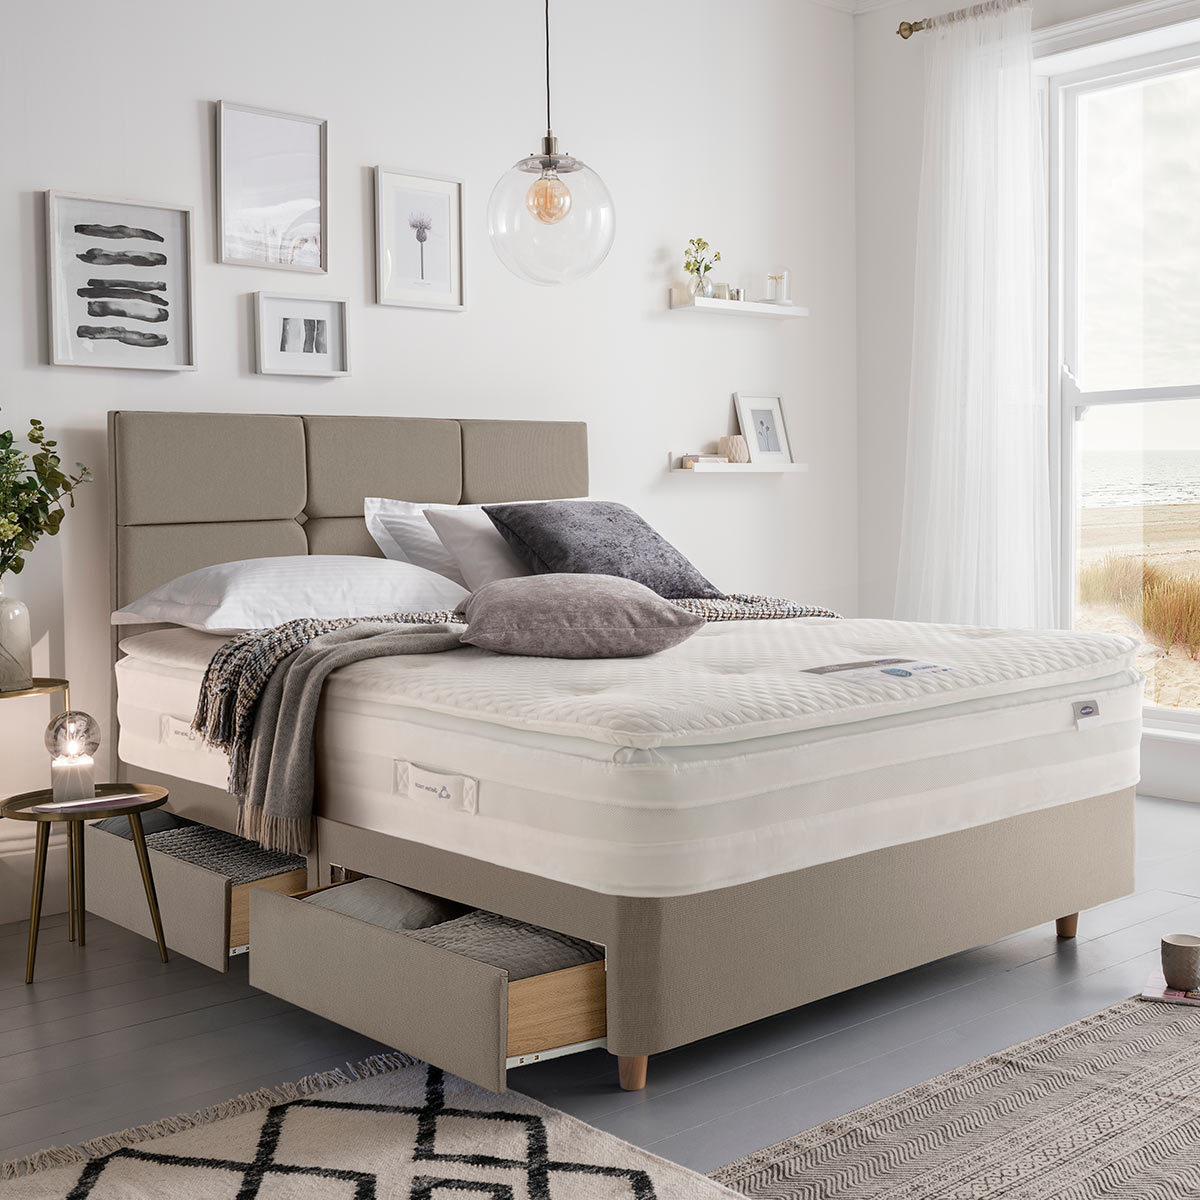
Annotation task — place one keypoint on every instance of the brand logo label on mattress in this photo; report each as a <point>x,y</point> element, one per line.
<point>1087,712</point>
<point>458,793</point>
<point>180,734</point>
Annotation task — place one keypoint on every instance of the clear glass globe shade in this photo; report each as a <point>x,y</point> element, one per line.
<point>558,252</point>
<point>72,734</point>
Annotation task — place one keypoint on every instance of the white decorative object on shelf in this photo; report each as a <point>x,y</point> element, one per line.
<point>764,428</point>
<point>734,447</point>
<point>680,298</point>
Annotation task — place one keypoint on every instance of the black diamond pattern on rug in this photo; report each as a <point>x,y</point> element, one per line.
<point>536,1166</point>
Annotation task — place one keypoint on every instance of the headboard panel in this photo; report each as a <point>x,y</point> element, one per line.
<point>191,489</point>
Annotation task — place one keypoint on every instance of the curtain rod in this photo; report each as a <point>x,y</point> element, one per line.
<point>908,28</point>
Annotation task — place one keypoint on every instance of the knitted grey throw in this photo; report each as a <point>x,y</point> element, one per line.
<point>259,698</point>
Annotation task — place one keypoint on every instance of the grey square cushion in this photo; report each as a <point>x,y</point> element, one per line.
<point>388,905</point>
<point>574,616</point>
<point>598,537</point>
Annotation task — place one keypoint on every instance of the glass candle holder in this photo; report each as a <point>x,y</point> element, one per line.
<point>779,286</point>
<point>72,739</point>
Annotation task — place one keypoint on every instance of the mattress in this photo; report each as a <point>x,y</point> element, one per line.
<point>752,749</point>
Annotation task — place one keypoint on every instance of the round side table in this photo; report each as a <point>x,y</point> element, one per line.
<point>112,800</point>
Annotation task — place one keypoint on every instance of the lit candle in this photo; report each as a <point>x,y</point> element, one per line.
<point>73,777</point>
<point>72,739</point>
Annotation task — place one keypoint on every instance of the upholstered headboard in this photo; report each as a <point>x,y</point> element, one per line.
<point>191,489</point>
<point>187,490</point>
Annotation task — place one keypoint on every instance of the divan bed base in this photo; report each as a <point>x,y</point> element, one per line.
<point>681,968</point>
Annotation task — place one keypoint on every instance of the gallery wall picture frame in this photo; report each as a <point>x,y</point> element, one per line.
<point>419,240</point>
<point>763,426</point>
<point>301,335</point>
<point>272,189</point>
<point>120,283</point>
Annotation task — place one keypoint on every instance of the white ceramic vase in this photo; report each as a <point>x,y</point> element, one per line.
<point>16,650</point>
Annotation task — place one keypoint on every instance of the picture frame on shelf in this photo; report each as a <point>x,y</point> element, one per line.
<point>419,239</point>
<point>301,335</point>
<point>762,423</point>
<point>272,189</point>
<point>120,283</point>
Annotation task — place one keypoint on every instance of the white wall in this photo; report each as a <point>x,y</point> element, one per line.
<point>889,111</point>
<point>751,148</point>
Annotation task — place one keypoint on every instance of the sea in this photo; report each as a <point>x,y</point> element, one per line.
<point>1111,478</point>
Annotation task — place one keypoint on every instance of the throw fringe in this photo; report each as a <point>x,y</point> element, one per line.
<point>64,1156</point>
<point>291,835</point>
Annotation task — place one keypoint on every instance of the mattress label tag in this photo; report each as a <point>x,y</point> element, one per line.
<point>459,793</point>
<point>1087,712</point>
<point>180,734</point>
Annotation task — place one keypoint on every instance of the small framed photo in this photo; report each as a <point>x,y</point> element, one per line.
<point>301,335</point>
<point>120,283</point>
<point>418,239</point>
<point>763,427</point>
<point>272,189</point>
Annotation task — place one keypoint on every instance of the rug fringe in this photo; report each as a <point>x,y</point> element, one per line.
<point>64,1156</point>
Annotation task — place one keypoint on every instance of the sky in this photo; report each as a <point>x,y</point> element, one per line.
<point>1139,257</point>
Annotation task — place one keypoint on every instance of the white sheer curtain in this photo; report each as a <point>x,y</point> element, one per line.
<point>975,547</point>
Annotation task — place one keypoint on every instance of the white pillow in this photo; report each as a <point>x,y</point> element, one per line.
<point>482,554</point>
<point>258,593</point>
<point>402,533</point>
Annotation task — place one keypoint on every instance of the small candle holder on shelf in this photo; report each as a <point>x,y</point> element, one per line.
<point>72,738</point>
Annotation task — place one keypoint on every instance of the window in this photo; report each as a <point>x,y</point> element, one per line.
<point>1127,224</point>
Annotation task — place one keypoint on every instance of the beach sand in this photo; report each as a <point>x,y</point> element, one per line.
<point>1169,536</point>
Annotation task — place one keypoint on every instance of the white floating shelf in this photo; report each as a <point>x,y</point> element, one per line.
<point>738,468</point>
<point>682,299</point>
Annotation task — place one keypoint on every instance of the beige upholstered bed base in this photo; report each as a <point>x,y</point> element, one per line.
<point>685,967</point>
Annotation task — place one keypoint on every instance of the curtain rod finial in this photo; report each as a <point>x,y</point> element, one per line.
<point>905,30</point>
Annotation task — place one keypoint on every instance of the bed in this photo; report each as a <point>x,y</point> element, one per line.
<point>740,829</point>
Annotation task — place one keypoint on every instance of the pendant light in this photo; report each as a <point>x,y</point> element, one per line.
<point>550,217</point>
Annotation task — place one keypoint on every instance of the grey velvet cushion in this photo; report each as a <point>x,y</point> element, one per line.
<point>574,616</point>
<point>521,950</point>
<point>598,537</point>
<point>388,905</point>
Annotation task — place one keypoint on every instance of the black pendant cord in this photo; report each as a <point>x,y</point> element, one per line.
<point>548,125</point>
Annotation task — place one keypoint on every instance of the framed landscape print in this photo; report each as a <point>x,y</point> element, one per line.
<point>301,335</point>
<point>763,427</point>
<point>418,239</point>
<point>272,189</point>
<point>120,283</point>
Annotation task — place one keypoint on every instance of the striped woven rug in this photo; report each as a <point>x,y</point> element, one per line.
<point>1108,1106</point>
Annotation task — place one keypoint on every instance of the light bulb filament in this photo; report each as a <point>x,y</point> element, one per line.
<point>548,199</point>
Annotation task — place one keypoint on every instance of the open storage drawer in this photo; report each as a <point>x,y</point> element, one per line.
<point>205,913</point>
<point>438,1005</point>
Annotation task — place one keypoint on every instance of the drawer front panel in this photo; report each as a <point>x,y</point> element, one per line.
<point>193,902</point>
<point>438,1006</point>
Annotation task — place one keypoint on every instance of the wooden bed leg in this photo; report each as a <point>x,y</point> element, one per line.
<point>631,1070</point>
<point>1067,927</point>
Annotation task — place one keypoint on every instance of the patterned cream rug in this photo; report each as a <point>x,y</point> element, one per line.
<point>1109,1106</point>
<point>387,1128</point>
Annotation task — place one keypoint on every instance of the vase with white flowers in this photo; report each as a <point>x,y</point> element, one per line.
<point>35,493</point>
<point>697,262</point>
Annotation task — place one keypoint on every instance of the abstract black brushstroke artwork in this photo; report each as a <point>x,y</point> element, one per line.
<point>131,309</point>
<point>120,293</point>
<point>119,231</point>
<point>122,258</point>
<point>121,286</point>
<point>146,285</point>
<point>303,335</point>
<point>118,333</point>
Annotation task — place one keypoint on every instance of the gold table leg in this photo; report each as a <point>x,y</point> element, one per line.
<point>77,860</point>
<point>139,842</point>
<point>35,904</point>
<point>70,881</point>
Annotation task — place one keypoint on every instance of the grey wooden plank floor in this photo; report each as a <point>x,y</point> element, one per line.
<point>109,1037</point>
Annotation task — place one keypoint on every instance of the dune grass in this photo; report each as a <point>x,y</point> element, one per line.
<point>1166,606</point>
